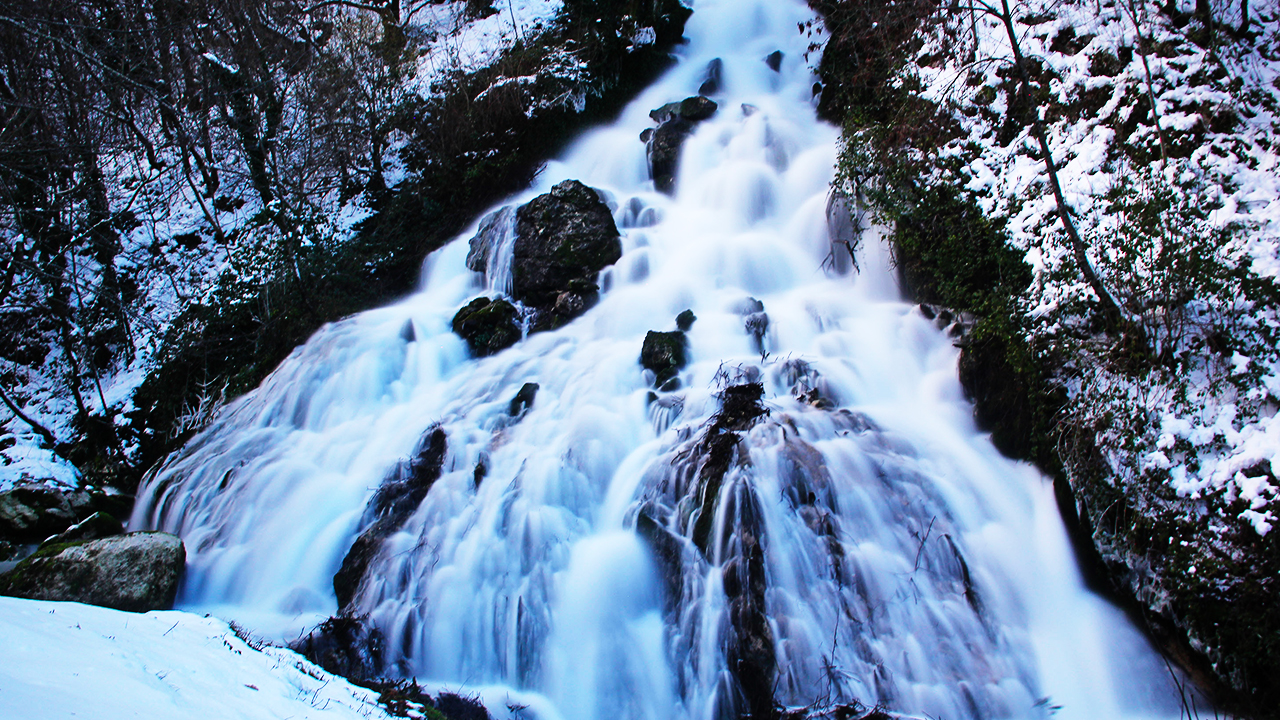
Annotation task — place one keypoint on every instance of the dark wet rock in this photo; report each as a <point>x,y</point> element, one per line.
<point>676,122</point>
<point>806,384</point>
<point>563,240</point>
<point>646,135</point>
<point>393,503</point>
<point>664,153</point>
<point>138,572</point>
<point>96,526</point>
<point>697,108</point>
<point>957,324</point>
<point>523,400</point>
<point>774,60</point>
<point>751,651</point>
<point>345,646</point>
<point>568,305</point>
<point>713,78</point>
<point>32,513</point>
<point>488,325</point>
<point>685,320</point>
<point>740,407</point>
<point>664,353</point>
<point>407,333</point>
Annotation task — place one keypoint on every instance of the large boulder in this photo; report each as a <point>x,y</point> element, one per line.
<point>488,325</point>
<point>137,572</point>
<point>563,240</point>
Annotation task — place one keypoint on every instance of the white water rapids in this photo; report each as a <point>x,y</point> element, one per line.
<point>904,561</point>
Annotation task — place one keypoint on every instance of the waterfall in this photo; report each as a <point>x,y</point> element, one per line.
<point>806,516</point>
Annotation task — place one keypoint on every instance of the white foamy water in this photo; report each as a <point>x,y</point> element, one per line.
<point>902,561</point>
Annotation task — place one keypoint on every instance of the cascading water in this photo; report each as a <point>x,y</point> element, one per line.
<point>808,518</point>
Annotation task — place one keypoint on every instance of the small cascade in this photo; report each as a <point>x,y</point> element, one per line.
<point>737,478</point>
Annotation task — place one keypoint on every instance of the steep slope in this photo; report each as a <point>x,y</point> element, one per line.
<point>1096,182</point>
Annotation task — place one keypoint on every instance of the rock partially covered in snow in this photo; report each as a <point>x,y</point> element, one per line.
<point>97,525</point>
<point>563,240</point>
<point>33,513</point>
<point>138,572</point>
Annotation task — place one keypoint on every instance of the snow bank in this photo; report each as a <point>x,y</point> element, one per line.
<point>66,660</point>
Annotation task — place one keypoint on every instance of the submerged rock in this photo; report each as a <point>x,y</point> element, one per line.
<point>488,325</point>
<point>138,572</point>
<point>755,321</point>
<point>563,240</point>
<point>713,78</point>
<point>774,60</point>
<point>493,230</point>
<point>523,400</point>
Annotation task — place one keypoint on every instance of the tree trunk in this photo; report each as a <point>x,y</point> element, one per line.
<point>1110,308</point>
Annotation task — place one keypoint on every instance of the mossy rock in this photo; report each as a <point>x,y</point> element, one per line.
<point>138,572</point>
<point>489,326</point>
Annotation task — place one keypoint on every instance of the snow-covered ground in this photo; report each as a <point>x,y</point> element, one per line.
<point>67,660</point>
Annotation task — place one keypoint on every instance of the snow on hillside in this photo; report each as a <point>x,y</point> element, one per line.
<point>1174,204</point>
<point>174,254</point>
